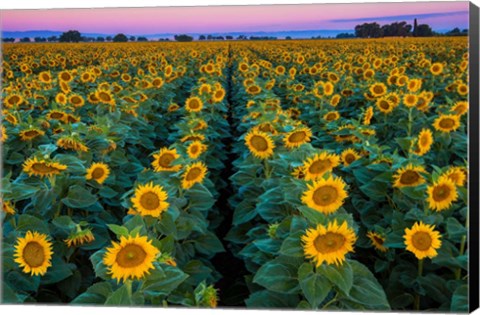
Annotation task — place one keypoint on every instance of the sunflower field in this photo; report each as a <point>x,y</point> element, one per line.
<point>319,174</point>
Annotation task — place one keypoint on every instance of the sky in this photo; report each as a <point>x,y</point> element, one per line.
<point>215,19</point>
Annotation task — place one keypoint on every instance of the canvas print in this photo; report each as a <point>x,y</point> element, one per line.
<point>310,157</point>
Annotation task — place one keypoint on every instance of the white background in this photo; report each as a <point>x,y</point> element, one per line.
<point>39,4</point>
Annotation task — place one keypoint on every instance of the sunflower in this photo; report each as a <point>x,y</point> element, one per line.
<point>330,243</point>
<point>65,76</point>
<point>195,149</point>
<point>45,77</point>
<point>335,100</point>
<point>13,100</point>
<point>384,105</point>
<point>325,195</point>
<point>7,206</point>
<point>409,176</point>
<point>442,194</point>
<point>150,199</point>
<point>436,68</point>
<point>422,240</point>
<point>315,167</point>
<point>410,100</point>
<point>173,108</point>
<point>42,168</point>
<point>298,172</point>
<point>131,258</point>
<point>193,104</point>
<point>462,89</point>
<point>79,237</point>
<point>456,175</point>
<point>56,115</point>
<point>331,116</point>
<point>163,160</point>
<point>349,156</point>
<point>194,173</point>
<point>71,143</point>
<point>30,134</point>
<point>105,97</point>
<point>378,89</point>
<point>297,137</point>
<point>260,144</point>
<point>460,108</point>
<point>254,89</point>
<point>414,85</point>
<point>76,100</point>
<point>33,253</point>
<point>377,241</point>
<point>4,134</point>
<point>193,137</point>
<point>447,123</point>
<point>218,95</point>
<point>9,117</point>
<point>425,141</point>
<point>98,172</point>
<point>368,116</point>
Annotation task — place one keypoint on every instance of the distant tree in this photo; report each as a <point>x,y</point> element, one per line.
<point>52,39</point>
<point>39,39</point>
<point>424,30</point>
<point>368,30</point>
<point>201,37</point>
<point>25,40</point>
<point>132,38</point>
<point>219,38</point>
<point>100,39</point>
<point>142,39</point>
<point>229,37</point>
<point>183,38</point>
<point>415,28</point>
<point>345,35</point>
<point>70,37</point>
<point>120,38</point>
<point>108,38</point>
<point>8,40</point>
<point>242,37</point>
<point>397,29</point>
<point>209,37</point>
<point>288,37</point>
<point>456,32</point>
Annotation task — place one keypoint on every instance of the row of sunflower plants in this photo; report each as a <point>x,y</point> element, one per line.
<point>401,185</point>
<point>290,229</point>
<point>102,205</point>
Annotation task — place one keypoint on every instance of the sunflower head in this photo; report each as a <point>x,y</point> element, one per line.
<point>297,137</point>
<point>349,156</point>
<point>150,200</point>
<point>33,253</point>
<point>422,240</point>
<point>80,237</point>
<point>425,141</point>
<point>131,258</point>
<point>163,160</point>
<point>260,144</point>
<point>194,173</point>
<point>377,241</point>
<point>442,194</point>
<point>195,149</point>
<point>460,108</point>
<point>456,175</point>
<point>30,134</point>
<point>378,89</point>
<point>193,104</point>
<point>325,195</point>
<point>98,172</point>
<point>330,243</point>
<point>316,166</point>
<point>409,176</point>
<point>42,168</point>
<point>447,123</point>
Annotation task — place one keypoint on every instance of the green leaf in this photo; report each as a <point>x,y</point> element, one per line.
<point>313,216</point>
<point>79,198</point>
<point>315,287</point>
<point>339,276</point>
<point>267,300</point>
<point>119,297</point>
<point>292,245</point>
<point>460,301</point>
<point>96,294</point>
<point>22,191</point>
<point>28,222</point>
<point>100,269</point>
<point>58,272</point>
<point>161,283</point>
<point>366,290</point>
<point>118,230</point>
<point>278,277</point>
<point>64,222</point>
<point>208,244</point>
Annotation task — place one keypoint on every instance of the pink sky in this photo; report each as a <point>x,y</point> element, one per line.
<point>135,21</point>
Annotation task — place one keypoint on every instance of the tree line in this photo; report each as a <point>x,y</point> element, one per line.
<point>400,29</point>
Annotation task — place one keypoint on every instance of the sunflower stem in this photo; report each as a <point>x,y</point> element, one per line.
<point>128,285</point>
<point>410,121</point>
<point>266,169</point>
<point>417,295</point>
